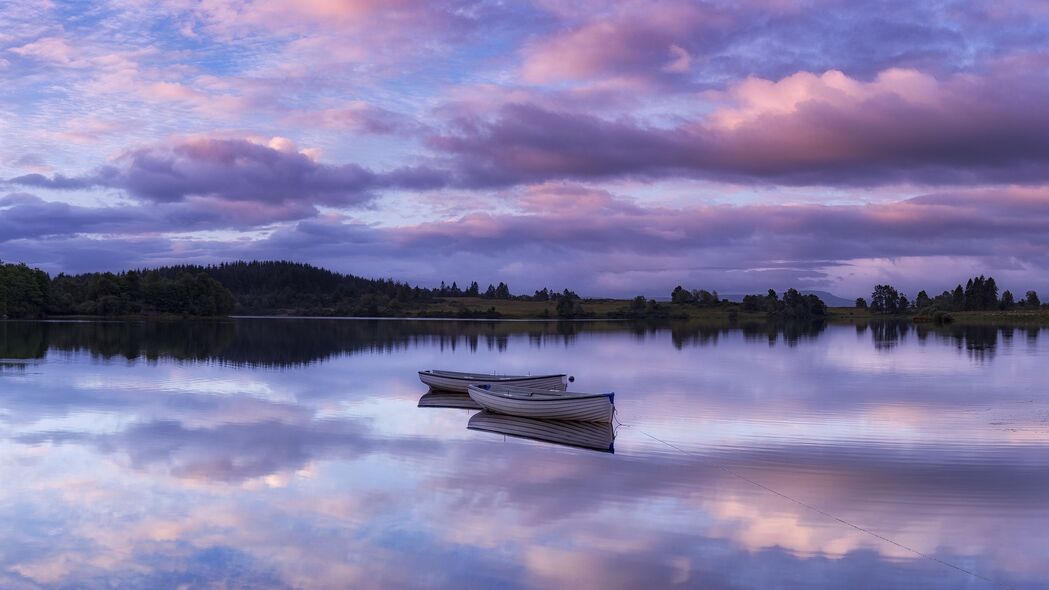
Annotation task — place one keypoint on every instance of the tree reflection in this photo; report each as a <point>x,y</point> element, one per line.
<point>979,342</point>
<point>887,335</point>
<point>273,342</point>
<point>297,342</point>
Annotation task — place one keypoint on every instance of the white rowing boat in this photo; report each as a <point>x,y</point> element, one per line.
<point>528,402</point>
<point>597,436</point>
<point>455,381</point>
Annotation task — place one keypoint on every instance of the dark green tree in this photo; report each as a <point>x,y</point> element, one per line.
<point>922,300</point>
<point>681,295</point>
<point>568,306</point>
<point>24,291</point>
<point>1007,302</point>
<point>885,299</point>
<point>1032,300</point>
<point>704,298</point>
<point>958,299</point>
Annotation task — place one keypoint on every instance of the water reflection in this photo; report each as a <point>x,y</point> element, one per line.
<point>596,436</point>
<point>284,342</point>
<point>194,462</point>
<point>979,342</point>
<point>448,399</point>
<point>686,334</point>
<point>297,342</point>
<point>888,334</point>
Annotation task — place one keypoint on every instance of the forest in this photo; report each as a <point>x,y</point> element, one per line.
<point>28,292</point>
<point>246,288</point>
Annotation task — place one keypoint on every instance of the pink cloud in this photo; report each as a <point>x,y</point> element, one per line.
<point>50,49</point>
<point>632,39</point>
<point>335,31</point>
<point>754,98</point>
<point>357,116</point>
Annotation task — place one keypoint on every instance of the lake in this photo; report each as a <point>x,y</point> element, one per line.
<point>292,453</point>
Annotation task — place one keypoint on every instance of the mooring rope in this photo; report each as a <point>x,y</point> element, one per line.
<point>833,517</point>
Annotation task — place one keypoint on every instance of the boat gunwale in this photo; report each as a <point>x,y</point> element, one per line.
<point>548,395</point>
<point>487,378</point>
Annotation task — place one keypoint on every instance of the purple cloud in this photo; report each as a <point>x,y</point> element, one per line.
<point>24,216</point>
<point>58,181</point>
<point>239,171</point>
<point>904,126</point>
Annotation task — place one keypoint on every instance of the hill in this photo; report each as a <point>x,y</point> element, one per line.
<point>830,299</point>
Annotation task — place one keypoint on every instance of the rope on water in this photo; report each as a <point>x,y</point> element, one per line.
<point>833,517</point>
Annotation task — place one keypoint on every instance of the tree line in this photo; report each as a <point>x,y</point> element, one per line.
<point>282,287</point>
<point>793,305</point>
<point>979,294</point>
<point>29,292</point>
<point>215,290</point>
<point>257,287</point>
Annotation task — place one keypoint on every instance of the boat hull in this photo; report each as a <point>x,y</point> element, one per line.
<point>453,382</point>
<point>549,406</point>
<point>596,436</point>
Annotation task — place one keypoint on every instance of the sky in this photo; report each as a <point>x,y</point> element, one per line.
<point>616,148</point>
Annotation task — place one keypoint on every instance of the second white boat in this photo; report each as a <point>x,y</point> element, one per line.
<point>456,381</point>
<point>542,403</point>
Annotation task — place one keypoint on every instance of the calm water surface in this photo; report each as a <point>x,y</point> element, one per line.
<point>293,454</point>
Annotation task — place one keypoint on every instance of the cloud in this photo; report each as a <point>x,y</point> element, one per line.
<point>24,216</point>
<point>34,162</point>
<point>235,172</point>
<point>634,40</point>
<point>339,32</point>
<point>806,129</point>
<point>49,49</point>
<point>58,181</point>
<point>357,116</point>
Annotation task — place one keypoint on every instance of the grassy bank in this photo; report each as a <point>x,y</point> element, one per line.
<point>1013,316</point>
<point>621,308</point>
<point>592,308</point>
<point>615,309</point>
